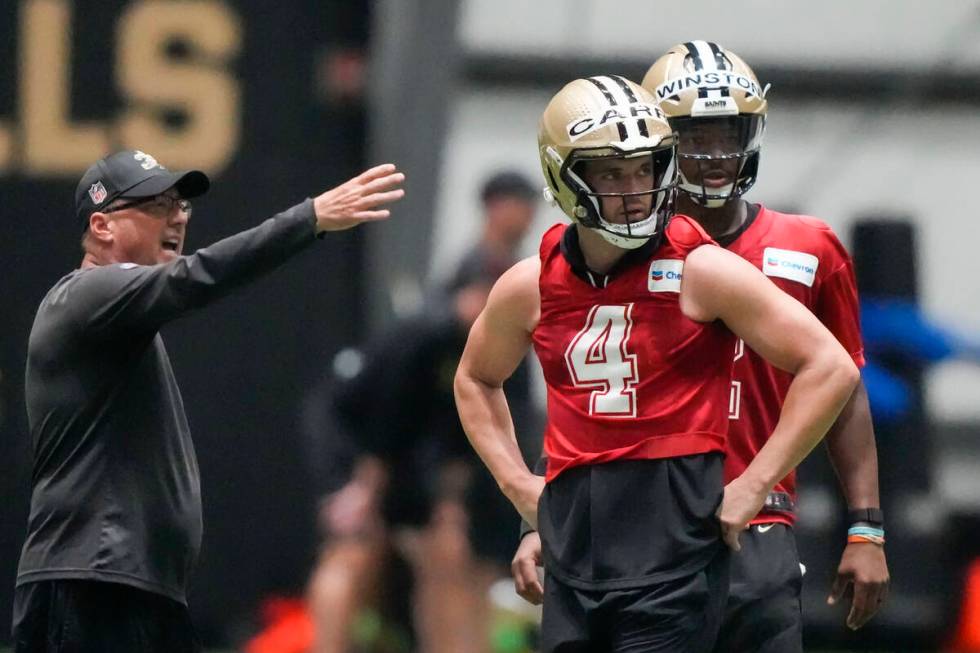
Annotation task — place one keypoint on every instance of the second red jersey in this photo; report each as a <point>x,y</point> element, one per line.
<point>628,375</point>
<point>802,256</point>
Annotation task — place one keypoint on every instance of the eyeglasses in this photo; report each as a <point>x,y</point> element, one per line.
<point>155,204</point>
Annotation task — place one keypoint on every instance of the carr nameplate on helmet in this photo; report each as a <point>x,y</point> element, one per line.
<point>587,124</point>
<point>788,264</point>
<point>97,192</point>
<point>665,275</point>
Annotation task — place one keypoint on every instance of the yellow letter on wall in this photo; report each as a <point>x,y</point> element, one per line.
<point>52,143</point>
<point>200,85</point>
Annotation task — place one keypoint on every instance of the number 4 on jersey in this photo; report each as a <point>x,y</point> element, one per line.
<point>597,358</point>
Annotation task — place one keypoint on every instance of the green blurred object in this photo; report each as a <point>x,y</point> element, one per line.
<point>510,637</point>
<point>372,633</point>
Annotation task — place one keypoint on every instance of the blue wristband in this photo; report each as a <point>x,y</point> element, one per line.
<point>867,531</point>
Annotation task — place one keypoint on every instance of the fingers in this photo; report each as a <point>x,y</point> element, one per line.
<point>862,607</point>
<point>369,216</point>
<point>526,581</point>
<point>837,589</point>
<point>868,599</point>
<point>370,201</point>
<point>376,172</point>
<point>383,183</point>
<point>730,535</point>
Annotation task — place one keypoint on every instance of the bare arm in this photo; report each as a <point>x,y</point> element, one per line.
<point>719,285</point>
<point>852,450</point>
<point>497,343</point>
<point>863,569</point>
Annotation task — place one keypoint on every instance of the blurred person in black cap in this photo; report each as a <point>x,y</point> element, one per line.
<point>509,203</point>
<point>115,519</point>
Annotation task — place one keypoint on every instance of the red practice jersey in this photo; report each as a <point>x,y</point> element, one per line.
<point>802,256</point>
<point>628,375</point>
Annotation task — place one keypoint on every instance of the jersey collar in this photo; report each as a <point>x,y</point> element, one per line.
<point>572,252</point>
<point>753,211</point>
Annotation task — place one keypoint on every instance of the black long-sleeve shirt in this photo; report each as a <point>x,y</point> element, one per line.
<point>116,490</point>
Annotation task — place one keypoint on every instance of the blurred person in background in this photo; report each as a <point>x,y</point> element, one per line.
<point>717,107</point>
<point>416,492</point>
<point>115,519</point>
<point>509,201</point>
<point>628,316</point>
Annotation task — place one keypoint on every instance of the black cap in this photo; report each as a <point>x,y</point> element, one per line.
<point>132,174</point>
<point>509,183</point>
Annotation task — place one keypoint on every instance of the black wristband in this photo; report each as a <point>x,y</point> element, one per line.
<point>872,516</point>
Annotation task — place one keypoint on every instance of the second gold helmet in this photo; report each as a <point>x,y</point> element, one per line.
<point>697,84</point>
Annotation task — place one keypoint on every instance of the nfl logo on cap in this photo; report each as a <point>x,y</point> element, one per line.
<point>97,192</point>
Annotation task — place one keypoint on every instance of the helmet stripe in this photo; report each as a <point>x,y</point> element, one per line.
<point>711,58</point>
<point>607,92</point>
<point>720,60</point>
<point>631,96</point>
<point>705,60</point>
<point>623,98</point>
<point>692,51</point>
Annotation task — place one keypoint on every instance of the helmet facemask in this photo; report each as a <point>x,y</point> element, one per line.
<point>624,196</point>
<point>716,105</point>
<point>718,157</point>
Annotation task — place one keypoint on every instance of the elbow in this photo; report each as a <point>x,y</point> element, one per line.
<point>847,373</point>
<point>459,384</point>
<point>835,370</point>
<point>463,384</point>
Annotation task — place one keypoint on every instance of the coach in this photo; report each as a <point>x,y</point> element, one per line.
<point>115,520</point>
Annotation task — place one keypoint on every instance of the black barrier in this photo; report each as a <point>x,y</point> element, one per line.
<point>264,96</point>
<point>923,595</point>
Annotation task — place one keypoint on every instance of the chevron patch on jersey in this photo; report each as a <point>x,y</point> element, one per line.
<point>787,264</point>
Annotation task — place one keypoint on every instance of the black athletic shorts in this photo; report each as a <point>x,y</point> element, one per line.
<point>763,614</point>
<point>84,616</point>
<point>677,616</point>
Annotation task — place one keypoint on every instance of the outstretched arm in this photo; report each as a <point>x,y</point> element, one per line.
<point>498,341</point>
<point>123,297</point>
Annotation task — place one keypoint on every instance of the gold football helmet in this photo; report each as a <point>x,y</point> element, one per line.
<point>715,103</point>
<point>608,157</point>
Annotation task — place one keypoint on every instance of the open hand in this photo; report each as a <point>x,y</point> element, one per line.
<point>357,200</point>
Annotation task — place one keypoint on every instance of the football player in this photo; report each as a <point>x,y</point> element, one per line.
<point>634,320</point>
<point>717,107</point>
